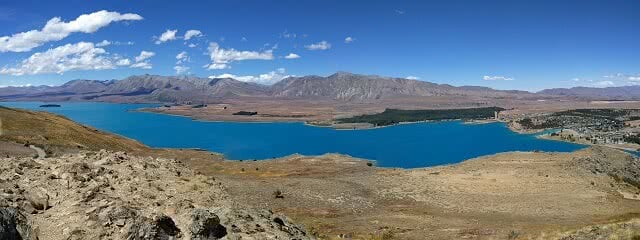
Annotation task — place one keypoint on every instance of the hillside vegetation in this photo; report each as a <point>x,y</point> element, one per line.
<point>394,116</point>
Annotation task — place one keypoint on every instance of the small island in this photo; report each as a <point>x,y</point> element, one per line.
<point>50,105</point>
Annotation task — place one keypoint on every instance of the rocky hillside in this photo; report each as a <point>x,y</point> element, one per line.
<point>112,195</point>
<point>340,86</point>
<point>144,88</point>
<point>609,93</point>
<point>348,86</point>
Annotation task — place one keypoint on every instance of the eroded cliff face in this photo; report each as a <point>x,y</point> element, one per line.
<point>111,195</point>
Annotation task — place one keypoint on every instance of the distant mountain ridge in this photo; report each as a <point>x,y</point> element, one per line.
<point>143,88</point>
<point>608,93</point>
<point>341,86</point>
<point>348,86</point>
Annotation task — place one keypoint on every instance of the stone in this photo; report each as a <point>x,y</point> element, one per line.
<point>38,199</point>
<point>120,222</point>
<point>14,225</point>
<point>161,227</point>
<point>28,208</point>
<point>206,226</point>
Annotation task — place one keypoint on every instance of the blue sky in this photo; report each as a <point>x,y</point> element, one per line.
<point>528,45</point>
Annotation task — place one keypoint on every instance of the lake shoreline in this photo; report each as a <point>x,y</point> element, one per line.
<point>339,194</point>
<point>336,126</point>
<point>237,140</point>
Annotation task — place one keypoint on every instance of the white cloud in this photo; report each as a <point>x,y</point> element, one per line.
<point>69,57</point>
<point>104,43</point>
<point>412,78</point>
<point>123,62</point>
<point>624,78</point>
<point>323,45</point>
<point>292,56</point>
<point>192,33</point>
<point>55,29</point>
<point>19,85</point>
<point>182,57</point>
<point>191,45</point>
<point>181,69</point>
<point>287,34</point>
<point>143,65</point>
<point>604,84</point>
<point>493,78</point>
<point>349,40</point>
<point>616,75</point>
<point>266,78</point>
<point>168,35</point>
<point>75,57</point>
<point>144,55</point>
<point>221,58</point>
<point>142,60</point>
<point>401,12</point>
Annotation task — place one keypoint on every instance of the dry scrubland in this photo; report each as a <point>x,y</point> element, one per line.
<point>588,194</point>
<point>528,195</point>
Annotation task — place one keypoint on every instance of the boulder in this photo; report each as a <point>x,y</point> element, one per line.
<point>14,225</point>
<point>38,198</point>
<point>206,226</point>
<point>259,224</point>
<point>161,227</point>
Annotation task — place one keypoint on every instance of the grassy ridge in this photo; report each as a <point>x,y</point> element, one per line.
<point>58,135</point>
<point>53,133</point>
<point>394,116</point>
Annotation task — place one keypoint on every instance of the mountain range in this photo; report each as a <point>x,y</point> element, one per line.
<point>608,93</point>
<point>341,86</point>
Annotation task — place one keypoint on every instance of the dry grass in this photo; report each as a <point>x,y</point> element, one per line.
<point>55,132</point>
<point>57,135</point>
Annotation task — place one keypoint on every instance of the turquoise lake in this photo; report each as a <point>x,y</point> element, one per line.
<point>404,146</point>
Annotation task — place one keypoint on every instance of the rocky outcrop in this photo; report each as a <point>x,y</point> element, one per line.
<point>160,227</point>
<point>15,225</point>
<point>112,195</point>
<point>206,225</point>
<point>259,224</point>
<point>615,164</point>
<point>619,230</point>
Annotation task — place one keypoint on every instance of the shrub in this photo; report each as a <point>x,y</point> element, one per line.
<point>278,194</point>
